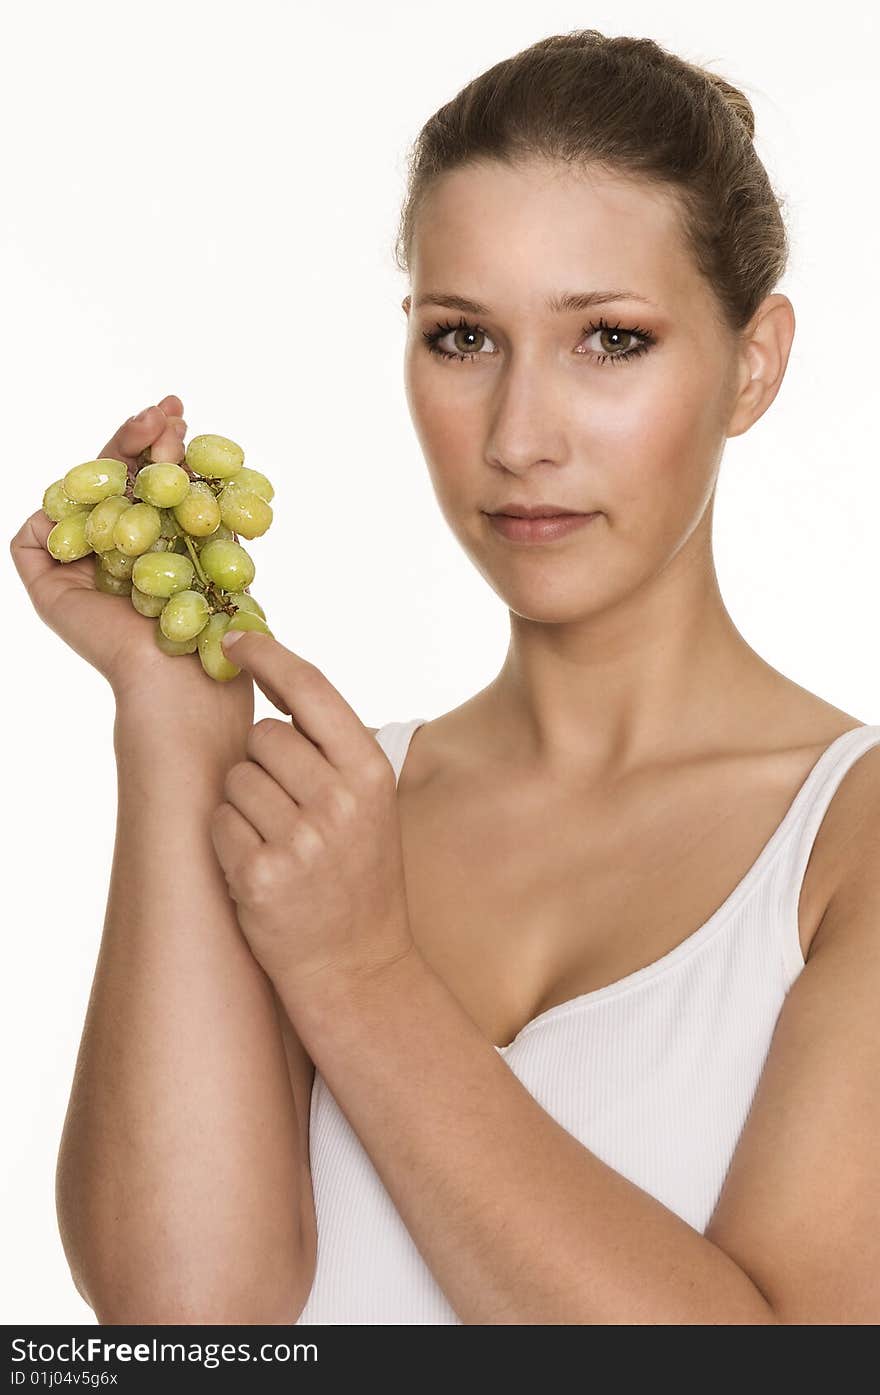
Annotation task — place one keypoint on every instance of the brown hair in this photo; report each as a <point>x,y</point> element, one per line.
<point>627,107</point>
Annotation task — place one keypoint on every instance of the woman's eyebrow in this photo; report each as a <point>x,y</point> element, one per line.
<point>558,304</point>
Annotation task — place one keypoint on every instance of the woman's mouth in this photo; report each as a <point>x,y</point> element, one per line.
<point>532,530</point>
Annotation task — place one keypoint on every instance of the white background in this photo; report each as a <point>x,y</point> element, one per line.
<point>202,198</point>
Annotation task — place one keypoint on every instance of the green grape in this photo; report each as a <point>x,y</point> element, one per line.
<point>113,585</point>
<point>255,480</point>
<point>162,573</point>
<point>102,522</point>
<point>67,541</point>
<point>198,512</point>
<point>184,614</point>
<point>221,531</point>
<point>57,505</point>
<point>137,529</point>
<point>244,511</point>
<point>227,564</point>
<point>246,602</point>
<point>174,646</point>
<point>95,480</point>
<point>170,526</point>
<point>117,564</point>
<point>162,484</point>
<point>214,661</point>
<point>248,620</point>
<point>151,606</point>
<point>214,457</point>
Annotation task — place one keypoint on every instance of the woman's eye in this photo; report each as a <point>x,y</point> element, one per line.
<point>613,343</point>
<point>468,342</point>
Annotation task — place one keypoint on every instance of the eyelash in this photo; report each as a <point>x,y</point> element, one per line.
<point>644,336</point>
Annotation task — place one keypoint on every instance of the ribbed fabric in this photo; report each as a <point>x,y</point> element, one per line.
<point>655,1074</point>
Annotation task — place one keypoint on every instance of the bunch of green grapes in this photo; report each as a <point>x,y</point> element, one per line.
<point>167,536</point>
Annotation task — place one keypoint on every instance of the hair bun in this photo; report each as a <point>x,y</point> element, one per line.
<point>735,99</point>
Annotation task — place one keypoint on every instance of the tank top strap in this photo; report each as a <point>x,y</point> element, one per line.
<point>802,825</point>
<point>394,738</point>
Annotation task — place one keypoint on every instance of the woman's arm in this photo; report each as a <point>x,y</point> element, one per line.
<point>181,1173</point>
<point>520,1223</point>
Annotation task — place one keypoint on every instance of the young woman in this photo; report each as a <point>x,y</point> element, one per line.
<point>576,983</point>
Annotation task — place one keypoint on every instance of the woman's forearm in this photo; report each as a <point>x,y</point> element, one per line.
<point>178,1173</point>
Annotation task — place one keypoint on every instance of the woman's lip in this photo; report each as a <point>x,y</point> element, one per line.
<point>538,529</point>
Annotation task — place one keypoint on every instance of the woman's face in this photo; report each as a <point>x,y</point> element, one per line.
<point>535,414</point>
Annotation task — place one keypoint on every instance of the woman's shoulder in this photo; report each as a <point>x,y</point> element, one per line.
<point>847,837</point>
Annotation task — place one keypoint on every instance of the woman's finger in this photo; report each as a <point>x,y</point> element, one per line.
<point>320,711</point>
<point>28,548</point>
<point>261,800</point>
<point>291,760</point>
<point>134,436</point>
<point>234,839</point>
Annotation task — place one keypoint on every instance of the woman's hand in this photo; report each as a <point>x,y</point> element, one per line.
<point>106,630</point>
<point>309,835</point>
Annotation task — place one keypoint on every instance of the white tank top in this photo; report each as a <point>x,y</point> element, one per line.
<point>654,1074</point>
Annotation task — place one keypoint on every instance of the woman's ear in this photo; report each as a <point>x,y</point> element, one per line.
<point>763,361</point>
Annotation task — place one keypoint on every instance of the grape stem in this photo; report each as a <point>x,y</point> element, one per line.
<point>195,560</point>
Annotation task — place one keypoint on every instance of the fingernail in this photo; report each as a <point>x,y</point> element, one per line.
<point>180,429</point>
<point>142,415</point>
<point>230,637</point>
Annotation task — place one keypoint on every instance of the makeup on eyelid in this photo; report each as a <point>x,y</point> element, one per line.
<point>644,341</point>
